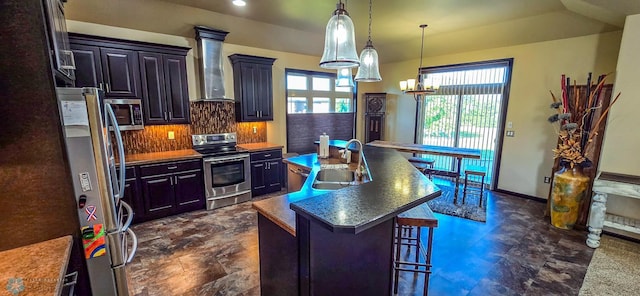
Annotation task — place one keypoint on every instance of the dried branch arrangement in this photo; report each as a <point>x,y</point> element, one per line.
<point>575,114</point>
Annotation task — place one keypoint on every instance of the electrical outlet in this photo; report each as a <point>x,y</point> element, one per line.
<point>511,133</point>
<point>547,179</point>
<point>171,135</point>
<point>255,130</point>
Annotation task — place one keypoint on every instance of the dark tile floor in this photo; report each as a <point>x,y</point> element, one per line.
<point>515,252</point>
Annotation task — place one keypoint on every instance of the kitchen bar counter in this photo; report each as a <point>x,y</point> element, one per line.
<point>38,268</point>
<point>262,146</point>
<point>153,157</point>
<point>319,242</point>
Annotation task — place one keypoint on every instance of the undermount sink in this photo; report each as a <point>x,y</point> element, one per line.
<point>333,179</point>
<point>333,175</point>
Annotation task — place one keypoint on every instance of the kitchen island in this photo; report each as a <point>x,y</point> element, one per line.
<point>318,242</point>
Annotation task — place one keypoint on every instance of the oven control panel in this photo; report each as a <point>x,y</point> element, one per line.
<point>207,139</point>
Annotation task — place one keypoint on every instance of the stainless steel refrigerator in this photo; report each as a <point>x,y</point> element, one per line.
<point>96,158</point>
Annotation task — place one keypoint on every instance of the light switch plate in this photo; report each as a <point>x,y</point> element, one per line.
<point>510,124</point>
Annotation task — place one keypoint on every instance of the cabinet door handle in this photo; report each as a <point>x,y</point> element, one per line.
<point>165,116</point>
<point>171,180</point>
<point>177,179</point>
<point>173,167</point>
<point>107,87</point>
<point>169,115</point>
<point>267,155</point>
<point>257,113</point>
<point>101,86</point>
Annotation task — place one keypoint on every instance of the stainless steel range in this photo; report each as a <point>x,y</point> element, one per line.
<point>227,172</point>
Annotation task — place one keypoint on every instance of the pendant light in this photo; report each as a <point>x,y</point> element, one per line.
<point>343,78</point>
<point>368,70</point>
<point>339,41</point>
<point>409,86</point>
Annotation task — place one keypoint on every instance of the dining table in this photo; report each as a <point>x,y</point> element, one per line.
<point>455,152</point>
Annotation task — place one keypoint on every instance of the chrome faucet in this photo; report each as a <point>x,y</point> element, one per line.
<point>359,170</point>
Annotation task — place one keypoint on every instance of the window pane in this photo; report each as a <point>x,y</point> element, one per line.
<point>321,83</point>
<point>296,82</point>
<point>321,105</point>
<point>297,105</point>
<point>343,105</point>
<point>343,89</point>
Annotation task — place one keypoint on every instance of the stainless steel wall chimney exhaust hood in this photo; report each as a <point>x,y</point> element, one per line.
<point>211,72</point>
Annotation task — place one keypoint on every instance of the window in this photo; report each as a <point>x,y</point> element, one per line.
<point>466,111</point>
<point>322,97</point>
<point>315,106</point>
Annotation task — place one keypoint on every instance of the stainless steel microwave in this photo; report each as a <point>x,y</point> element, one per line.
<point>128,113</point>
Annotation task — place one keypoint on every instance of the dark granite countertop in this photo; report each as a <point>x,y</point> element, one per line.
<point>395,187</point>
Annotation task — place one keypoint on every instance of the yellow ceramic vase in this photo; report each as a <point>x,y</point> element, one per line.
<point>569,187</point>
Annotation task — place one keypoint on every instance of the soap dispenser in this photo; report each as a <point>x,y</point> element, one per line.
<point>324,146</point>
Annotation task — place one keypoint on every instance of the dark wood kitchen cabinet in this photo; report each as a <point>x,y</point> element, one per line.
<point>172,187</point>
<point>132,194</point>
<point>253,87</point>
<point>120,73</point>
<point>164,88</point>
<point>266,167</point>
<point>61,55</point>
<point>155,73</point>
<point>88,66</point>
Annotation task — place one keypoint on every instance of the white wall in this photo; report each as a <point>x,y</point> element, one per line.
<point>527,157</point>
<point>622,141</point>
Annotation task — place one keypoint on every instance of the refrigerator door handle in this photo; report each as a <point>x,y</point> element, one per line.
<point>135,245</point>
<point>116,129</point>
<point>125,226</point>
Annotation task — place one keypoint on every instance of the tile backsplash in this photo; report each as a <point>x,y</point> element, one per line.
<point>206,118</point>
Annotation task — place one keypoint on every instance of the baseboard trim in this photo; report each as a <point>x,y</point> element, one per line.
<point>621,236</point>
<point>531,197</point>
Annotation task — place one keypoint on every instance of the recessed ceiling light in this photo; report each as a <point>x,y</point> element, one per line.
<point>239,2</point>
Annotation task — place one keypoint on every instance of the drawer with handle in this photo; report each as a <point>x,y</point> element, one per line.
<point>264,155</point>
<point>170,167</point>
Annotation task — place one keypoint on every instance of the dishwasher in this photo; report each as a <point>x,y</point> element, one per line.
<point>296,176</point>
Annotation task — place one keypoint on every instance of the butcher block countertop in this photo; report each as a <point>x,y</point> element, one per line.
<point>147,158</point>
<point>262,146</point>
<point>36,269</point>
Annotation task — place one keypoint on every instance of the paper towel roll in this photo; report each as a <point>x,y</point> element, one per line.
<point>324,145</point>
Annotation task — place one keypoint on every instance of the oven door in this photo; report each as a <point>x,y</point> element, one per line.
<point>227,175</point>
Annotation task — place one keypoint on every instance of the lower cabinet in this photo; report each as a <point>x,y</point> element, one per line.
<point>171,188</point>
<point>266,172</point>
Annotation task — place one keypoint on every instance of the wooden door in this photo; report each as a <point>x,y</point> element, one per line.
<point>158,195</point>
<point>121,74</point>
<point>88,68</point>
<point>248,96</point>
<point>258,182</point>
<point>189,190</point>
<point>177,94</point>
<point>264,92</point>
<point>153,89</point>
<point>273,175</point>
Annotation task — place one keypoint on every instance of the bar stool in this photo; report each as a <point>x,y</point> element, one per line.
<point>417,217</point>
<point>424,165</point>
<point>474,171</point>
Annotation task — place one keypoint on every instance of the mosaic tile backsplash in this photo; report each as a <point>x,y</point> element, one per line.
<point>206,118</point>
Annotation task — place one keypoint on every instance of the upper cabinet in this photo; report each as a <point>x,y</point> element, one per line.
<point>62,56</point>
<point>155,73</point>
<point>253,87</point>
<point>164,88</point>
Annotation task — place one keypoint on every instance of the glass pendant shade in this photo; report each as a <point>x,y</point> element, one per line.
<point>344,78</point>
<point>339,42</point>
<point>368,70</point>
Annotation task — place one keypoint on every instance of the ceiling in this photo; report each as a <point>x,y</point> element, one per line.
<point>454,25</point>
